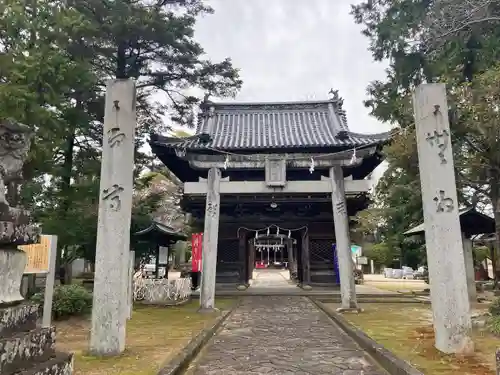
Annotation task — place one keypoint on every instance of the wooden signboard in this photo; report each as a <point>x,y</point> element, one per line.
<point>38,256</point>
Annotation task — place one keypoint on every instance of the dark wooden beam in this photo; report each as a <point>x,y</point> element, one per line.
<point>242,249</point>
<point>306,261</point>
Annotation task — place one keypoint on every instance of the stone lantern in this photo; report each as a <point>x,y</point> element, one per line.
<point>24,346</point>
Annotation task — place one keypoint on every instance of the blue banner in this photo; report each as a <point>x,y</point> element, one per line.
<point>336,264</point>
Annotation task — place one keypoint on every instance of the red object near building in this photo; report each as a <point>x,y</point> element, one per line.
<point>196,251</point>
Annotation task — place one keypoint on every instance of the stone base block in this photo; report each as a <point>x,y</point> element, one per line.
<point>35,346</point>
<point>355,310</point>
<point>202,310</point>
<point>19,318</point>
<point>59,364</point>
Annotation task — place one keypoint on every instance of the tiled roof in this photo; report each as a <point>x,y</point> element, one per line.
<point>472,222</point>
<point>162,229</point>
<point>232,126</point>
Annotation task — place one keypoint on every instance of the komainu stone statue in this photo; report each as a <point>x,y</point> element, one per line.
<point>25,348</point>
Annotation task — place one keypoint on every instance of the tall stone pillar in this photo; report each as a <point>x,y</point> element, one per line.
<point>210,241</point>
<point>343,241</point>
<point>109,312</point>
<point>447,274</point>
<point>469,268</point>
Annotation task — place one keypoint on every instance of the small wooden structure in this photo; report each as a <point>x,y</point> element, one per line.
<point>160,291</point>
<point>162,237</point>
<point>472,223</point>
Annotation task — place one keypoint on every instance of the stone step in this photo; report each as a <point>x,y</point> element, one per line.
<point>26,347</point>
<point>18,318</point>
<point>58,364</point>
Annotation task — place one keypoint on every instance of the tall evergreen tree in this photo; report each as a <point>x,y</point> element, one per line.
<point>56,56</point>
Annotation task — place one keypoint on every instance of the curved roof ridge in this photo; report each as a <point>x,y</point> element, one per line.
<point>381,135</point>
<point>264,103</point>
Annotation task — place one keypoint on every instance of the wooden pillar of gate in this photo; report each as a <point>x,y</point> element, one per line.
<point>292,264</point>
<point>242,256</point>
<point>306,264</point>
<point>250,259</point>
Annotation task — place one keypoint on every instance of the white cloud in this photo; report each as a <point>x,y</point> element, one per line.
<point>294,50</point>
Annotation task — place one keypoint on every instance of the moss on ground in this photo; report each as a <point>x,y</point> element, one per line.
<point>154,336</point>
<point>406,330</point>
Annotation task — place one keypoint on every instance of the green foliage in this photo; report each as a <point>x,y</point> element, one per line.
<point>414,37</point>
<point>56,57</point>
<point>481,253</point>
<point>494,307</point>
<point>381,253</point>
<point>493,325</point>
<point>68,300</point>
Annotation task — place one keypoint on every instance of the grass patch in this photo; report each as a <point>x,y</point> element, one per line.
<point>154,335</point>
<point>407,331</point>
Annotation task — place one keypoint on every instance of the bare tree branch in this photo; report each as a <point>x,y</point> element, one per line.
<point>450,18</point>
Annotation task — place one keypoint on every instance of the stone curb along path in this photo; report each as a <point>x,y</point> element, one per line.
<point>282,335</point>
<point>393,364</point>
<point>181,361</point>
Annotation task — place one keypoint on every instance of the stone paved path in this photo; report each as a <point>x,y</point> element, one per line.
<point>271,278</point>
<point>281,336</point>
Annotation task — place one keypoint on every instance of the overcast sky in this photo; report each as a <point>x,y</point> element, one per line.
<point>294,50</point>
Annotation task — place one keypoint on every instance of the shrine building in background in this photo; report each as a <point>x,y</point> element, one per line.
<point>279,187</point>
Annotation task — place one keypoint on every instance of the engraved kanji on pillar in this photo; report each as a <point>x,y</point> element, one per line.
<point>113,196</point>
<point>115,137</point>
<point>441,139</point>
<point>443,202</point>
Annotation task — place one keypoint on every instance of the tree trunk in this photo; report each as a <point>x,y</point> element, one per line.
<point>67,169</point>
<point>121,60</point>
<point>68,274</point>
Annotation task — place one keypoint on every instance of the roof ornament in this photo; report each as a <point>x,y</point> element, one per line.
<point>226,162</point>
<point>206,106</point>
<point>338,103</point>
<point>180,152</point>
<point>353,158</point>
<point>311,167</point>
